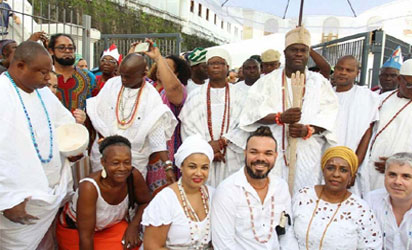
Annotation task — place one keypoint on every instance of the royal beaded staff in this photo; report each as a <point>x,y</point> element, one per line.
<point>298,86</point>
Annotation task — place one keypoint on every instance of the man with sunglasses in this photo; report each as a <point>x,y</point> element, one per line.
<point>74,85</point>
<point>393,130</point>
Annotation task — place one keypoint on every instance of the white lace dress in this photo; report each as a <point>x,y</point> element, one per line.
<point>353,227</point>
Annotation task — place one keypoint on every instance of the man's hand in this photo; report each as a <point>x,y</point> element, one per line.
<point>297,130</point>
<point>75,158</point>
<point>215,146</point>
<point>218,156</point>
<point>380,165</point>
<point>79,115</point>
<point>131,237</point>
<point>18,214</point>
<point>291,115</point>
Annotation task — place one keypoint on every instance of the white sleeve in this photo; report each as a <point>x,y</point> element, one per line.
<point>369,231</point>
<point>157,138</point>
<point>160,210</point>
<point>223,220</point>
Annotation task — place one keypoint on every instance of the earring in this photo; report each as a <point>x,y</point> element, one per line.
<point>104,174</point>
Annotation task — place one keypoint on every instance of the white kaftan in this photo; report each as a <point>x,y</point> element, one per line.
<point>153,126</point>
<point>354,226</point>
<point>193,119</point>
<point>22,174</point>
<point>394,237</point>
<point>396,138</point>
<point>191,85</point>
<point>320,107</point>
<point>231,216</point>
<point>165,209</point>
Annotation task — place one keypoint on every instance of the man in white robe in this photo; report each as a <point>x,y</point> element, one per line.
<point>33,178</point>
<point>251,73</point>
<point>112,112</point>
<point>217,122</point>
<point>393,131</point>
<point>250,209</point>
<point>313,125</point>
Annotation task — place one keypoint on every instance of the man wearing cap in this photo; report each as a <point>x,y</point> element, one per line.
<point>393,204</point>
<point>354,124</point>
<point>213,110</point>
<point>109,62</point>
<point>270,101</point>
<point>251,73</point>
<point>389,73</point>
<point>130,106</point>
<point>270,61</point>
<point>33,179</point>
<point>393,131</point>
<point>197,61</point>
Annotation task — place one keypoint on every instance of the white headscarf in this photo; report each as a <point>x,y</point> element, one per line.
<point>193,144</point>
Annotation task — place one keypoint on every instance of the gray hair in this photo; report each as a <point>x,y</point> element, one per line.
<point>400,159</point>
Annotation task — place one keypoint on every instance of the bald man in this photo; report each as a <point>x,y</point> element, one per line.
<point>131,107</point>
<point>33,179</point>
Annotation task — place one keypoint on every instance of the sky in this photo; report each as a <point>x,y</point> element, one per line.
<point>311,7</point>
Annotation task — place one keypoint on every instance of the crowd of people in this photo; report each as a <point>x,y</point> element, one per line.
<point>184,154</point>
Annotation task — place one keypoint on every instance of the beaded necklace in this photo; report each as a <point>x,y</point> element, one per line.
<point>191,213</point>
<point>327,225</point>
<point>33,138</point>
<point>391,120</point>
<point>126,121</point>
<point>252,219</point>
<point>226,113</point>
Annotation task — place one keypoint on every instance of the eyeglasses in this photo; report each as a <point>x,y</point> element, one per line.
<point>63,48</point>
<point>112,61</point>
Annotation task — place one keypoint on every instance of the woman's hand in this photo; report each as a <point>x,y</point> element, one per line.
<point>131,237</point>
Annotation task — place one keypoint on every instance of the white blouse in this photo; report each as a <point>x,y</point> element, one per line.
<point>354,226</point>
<point>165,209</point>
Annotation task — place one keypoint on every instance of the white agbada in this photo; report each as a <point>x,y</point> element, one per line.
<point>22,174</point>
<point>396,138</point>
<point>231,216</point>
<point>395,237</point>
<point>152,127</point>
<point>320,108</point>
<point>358,108</point>
<point>193,119</point>
<point>242,86</point>
<point>354,225</point>
<point>191,85</point>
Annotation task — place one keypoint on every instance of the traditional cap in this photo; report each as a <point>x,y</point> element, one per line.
<point>395,60</point>
<point>298,35</point>
<point>193,144</point>
<point>4,43</point>
<point>113,52</point>
<point>197,56</point>
<point>406,68</point>
<point>270,55</point>
<point>342,152</point>
<point>222,53</point>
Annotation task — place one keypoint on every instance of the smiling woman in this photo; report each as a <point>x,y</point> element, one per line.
<point>330,217</point>
<point>97,217</point>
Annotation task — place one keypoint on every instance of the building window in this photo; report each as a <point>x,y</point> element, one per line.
<point>229,27</point>
<point>236,31</point>
<point>221,24</point>
<point>192,6</point>
<point>207,14</point>
<point>215,21</point>
<point>199,13</point>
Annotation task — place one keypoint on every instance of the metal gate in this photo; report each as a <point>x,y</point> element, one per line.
<point>168,43</point>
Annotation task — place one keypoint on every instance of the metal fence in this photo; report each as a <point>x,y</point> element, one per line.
<point>168,43</point>
<point>50,18</point>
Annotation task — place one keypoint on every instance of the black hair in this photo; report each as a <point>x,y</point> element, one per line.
<point>257,58</point>
<point>114,140</point>
<point>182,68</point>
<point>262,131</point>
<point>53,39</point>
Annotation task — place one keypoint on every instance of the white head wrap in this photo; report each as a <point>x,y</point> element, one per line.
<point>193,144</point>
<point>222,53</point>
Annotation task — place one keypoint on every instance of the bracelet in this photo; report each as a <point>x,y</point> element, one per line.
<point>169,167</point>
<point>167,163</point>
<point>311,130</point>
<point>277,119</point>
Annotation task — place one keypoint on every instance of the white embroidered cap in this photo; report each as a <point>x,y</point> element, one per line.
<point>298,35</point>
<point>406,68</point>
<point>222,53</point>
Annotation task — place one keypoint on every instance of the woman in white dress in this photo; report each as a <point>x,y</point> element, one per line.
<point>329,216</point>
<point>178,216</point>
